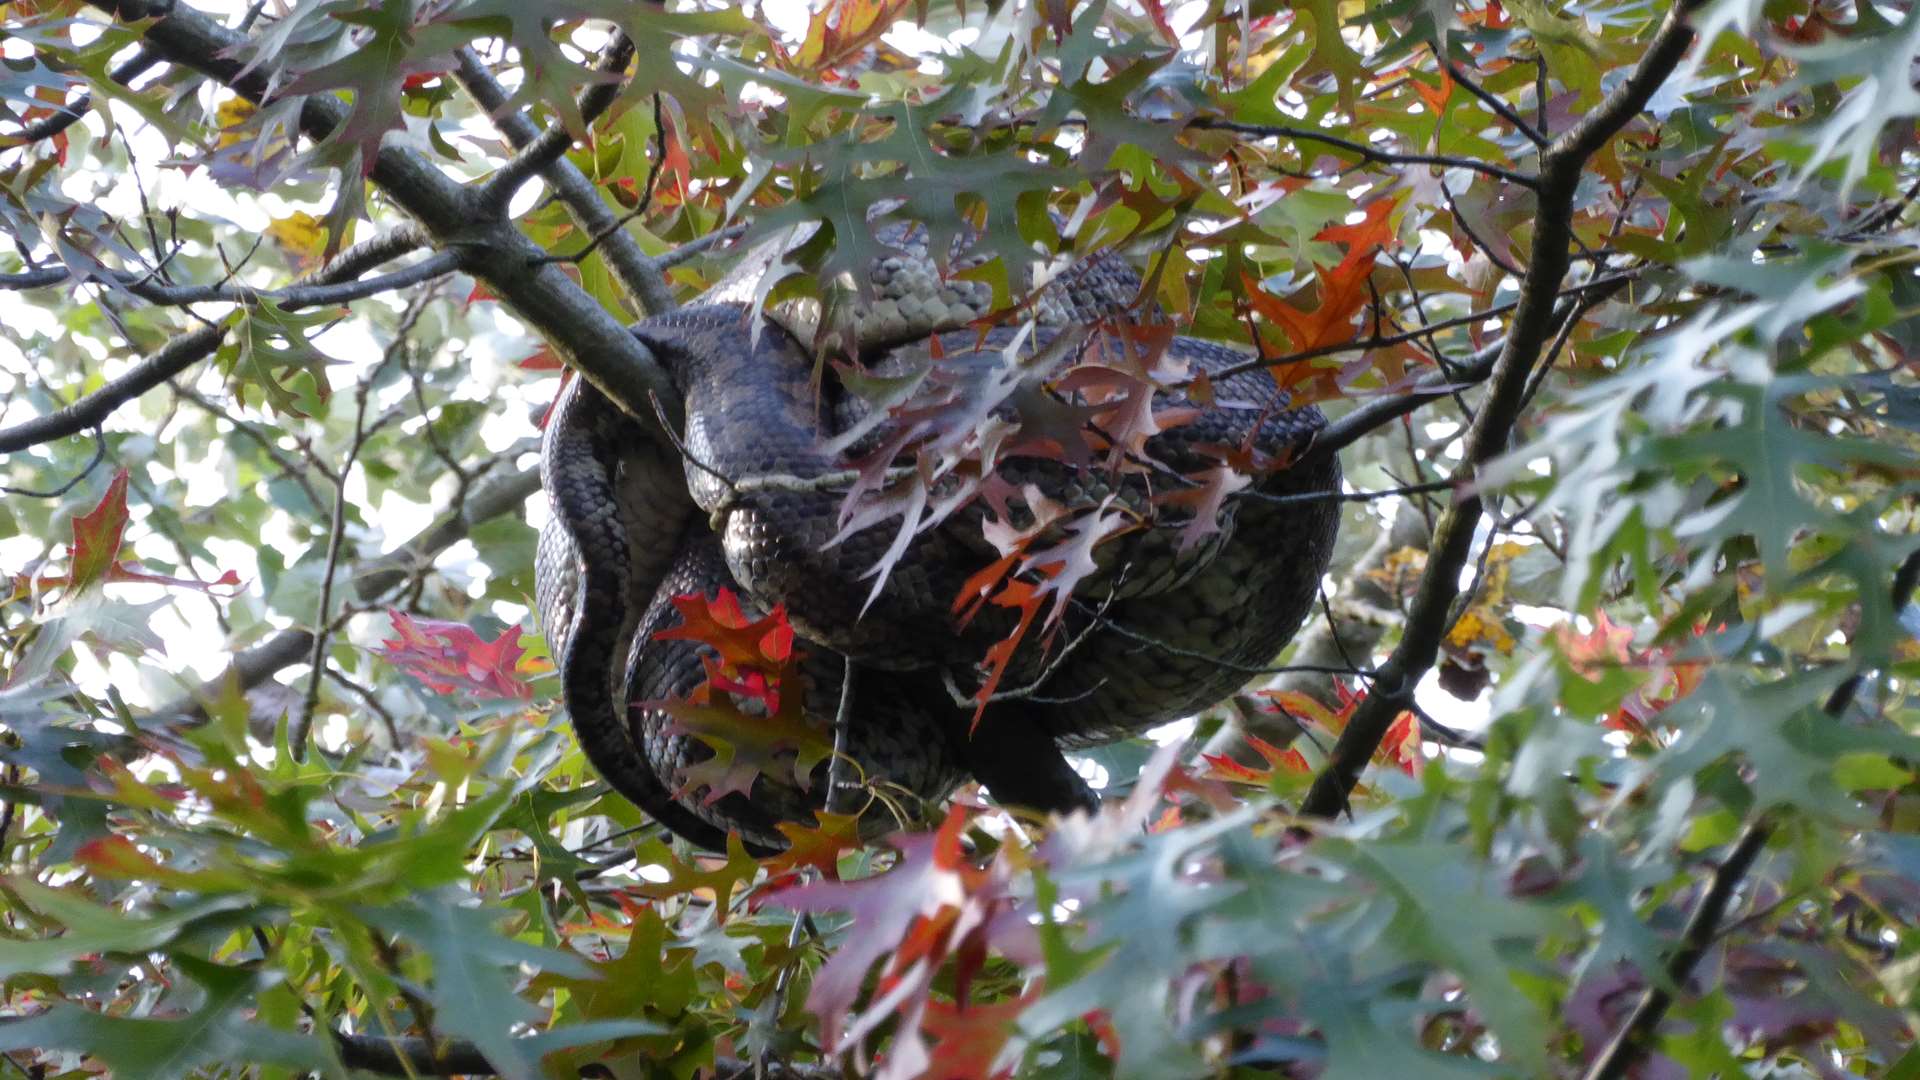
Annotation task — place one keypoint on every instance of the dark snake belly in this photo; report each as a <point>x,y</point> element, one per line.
<point>1177,624</point>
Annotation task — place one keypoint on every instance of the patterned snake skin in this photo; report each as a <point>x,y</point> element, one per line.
<point>1161,626</point>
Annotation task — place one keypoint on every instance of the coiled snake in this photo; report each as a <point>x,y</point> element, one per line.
<point>1166,617</point>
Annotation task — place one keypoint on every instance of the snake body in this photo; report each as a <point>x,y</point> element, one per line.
<point>1166,619</point>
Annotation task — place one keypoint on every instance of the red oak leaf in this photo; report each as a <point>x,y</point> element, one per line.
<point>97,534</point>
<point>720,624</point>
<point>449,656</point>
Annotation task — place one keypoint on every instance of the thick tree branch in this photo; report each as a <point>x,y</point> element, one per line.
<point>585,335</point>
<point>190,348</point>
<point>1533,325</point>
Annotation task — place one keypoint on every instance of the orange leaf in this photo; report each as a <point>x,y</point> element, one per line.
<point>720,624</point>
<point>1401,744</point>
<point>820,846</point>
<point>969,1039</point>
<point>1435,99</point>
<point>1363,237</point>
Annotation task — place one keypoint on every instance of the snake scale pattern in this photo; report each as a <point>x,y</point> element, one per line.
<point>1160,626</point>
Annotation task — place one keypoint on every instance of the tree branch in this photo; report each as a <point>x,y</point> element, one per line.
<point>371,580</point>
<point>585,335</point>
<point>544,149</point>
<point>415,1056</point>
<point>1377,340</point>
<point>187,349</point>
<point>637,274</point>
<point>1533,324</point>
<point>143,286</point>
<point>1492,101</point>
<point>1362,150</point>
<point>68,115</point>
<point>1629,1043</point>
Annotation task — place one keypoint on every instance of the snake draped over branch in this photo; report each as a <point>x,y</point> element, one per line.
<point>995,535</point>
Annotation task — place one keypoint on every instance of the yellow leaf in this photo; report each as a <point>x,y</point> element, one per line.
<point>229,115</point>
<point>300,233</point>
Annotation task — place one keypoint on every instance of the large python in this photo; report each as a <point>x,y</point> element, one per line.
<point>1160,626</point>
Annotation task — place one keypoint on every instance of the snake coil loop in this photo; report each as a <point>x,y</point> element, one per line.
<point>1172,609</point>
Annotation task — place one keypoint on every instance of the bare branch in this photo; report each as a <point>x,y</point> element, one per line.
<point>99,455</point>
<point>1368,418</point>
<point>187,349</point>
<point>547,147</point>
<point>372,580</point>
<point>1362,150</point>
<point>1377,340</point>
<point>414,1056</point>
<point>336,534</point>
<point>638,275</point>
<point>1627,1045</point>
<point>313,295</point>
<point>1499,107</point>
<point>615,227</point>
<point>69,114</point>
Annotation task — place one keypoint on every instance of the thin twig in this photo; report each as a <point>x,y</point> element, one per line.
<point>1379,341</point>
<point>1362,150</point>
<point>437,265</point>
<point>1345,496</point>
<point>187,349</point>
<point>99,455</point>
<point>1492,101</point>
<point>69,114</point>
<point>641,277</point>
<point>302,722</point>
<point>640,209</point>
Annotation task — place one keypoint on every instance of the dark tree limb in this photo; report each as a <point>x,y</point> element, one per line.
<point>1629,1044</point>
<point>414,1056</point>
<point>1492,101</point>
<point>1533,325</point>
<point>544,149</point>
<point>636,273</point>
<point>293,296</point>
<point>584,334</point>
<point>67,115</point>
